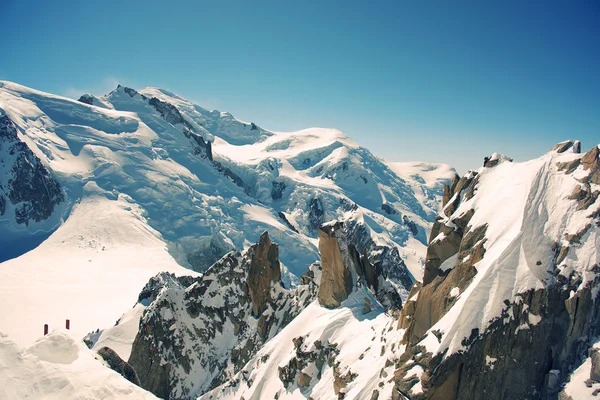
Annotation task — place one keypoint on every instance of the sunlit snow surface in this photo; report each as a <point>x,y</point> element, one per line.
<point>59,366</point>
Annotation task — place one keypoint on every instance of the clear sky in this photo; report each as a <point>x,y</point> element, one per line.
<point>412,81</point>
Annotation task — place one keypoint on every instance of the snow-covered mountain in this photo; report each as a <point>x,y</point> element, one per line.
<point>507,309</point>
<point>246,263</point>
<point>108,191</point>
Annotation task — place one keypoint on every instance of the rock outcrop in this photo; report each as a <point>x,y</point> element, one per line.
<point>541,333</point>
<point>32,191</point>
<point>198,332</point>
<point>345,267</point>
<point>87,99</point>
<point>118,365</point>
<point>336,280</point>
<point>263,273</point>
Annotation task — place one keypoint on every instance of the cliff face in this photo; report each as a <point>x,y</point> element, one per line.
<point>263,273</point>
<point>336,280</point>
<point>345,267</point>
<point>508,305</point>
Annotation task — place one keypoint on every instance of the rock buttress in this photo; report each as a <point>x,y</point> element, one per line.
<point>336,280</point>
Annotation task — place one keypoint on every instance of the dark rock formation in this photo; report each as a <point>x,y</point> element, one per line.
<point>389,209</point>
<point>168,112</point>
<point>319,355</point>
<point>564,146</point>
<point>285,221</point>
<point>264,271</point>
<point>87,99</point>
<point>232,176</point>
<point>277,190</point>
<point>594,354</point>
<point>532,342</point>
<point>316,213</point>
<point>591,162</point>
<point>525,352</point>
<point>202,147</point>
<point>27,184</point>
<point>118,365</point>
<point>385,260</point>
<point>131,92</point>
<point>414,229</point>
<point>495,159</point>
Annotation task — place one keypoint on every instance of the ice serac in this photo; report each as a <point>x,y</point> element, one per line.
<point>195,333</point>
<point>509,303</point>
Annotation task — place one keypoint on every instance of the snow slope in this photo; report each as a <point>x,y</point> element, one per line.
<point>525,208</point>
<point>59,366</point>
<point>89,270</point>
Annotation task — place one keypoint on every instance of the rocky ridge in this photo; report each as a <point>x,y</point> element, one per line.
<point>195,333</point>
<point>551,325</point>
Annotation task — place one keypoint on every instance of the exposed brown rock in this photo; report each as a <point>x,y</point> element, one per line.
<point>564,146</point>
<point>584,196</point>
<point>488,162</point>
<point>440,250</point>
<point>336,279</point>
<point>264,269</point>
<point>569,166</point>
<point>463,184</point>
<point>367,306</point>
<point>591,162</point>
<point>434,297</point>
<point>576,238</point>
<point>449,190</point>
<point>304,379</point>
<point>341,381</point>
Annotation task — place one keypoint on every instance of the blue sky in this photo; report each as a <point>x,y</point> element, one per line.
<point>433,81</point>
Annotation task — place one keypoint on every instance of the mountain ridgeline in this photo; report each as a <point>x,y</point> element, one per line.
<point>286,265</point>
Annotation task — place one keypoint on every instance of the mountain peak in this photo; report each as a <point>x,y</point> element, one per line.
<point>573,145</point>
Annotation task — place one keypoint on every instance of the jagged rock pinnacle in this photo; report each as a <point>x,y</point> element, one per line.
<point>264,269</point>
